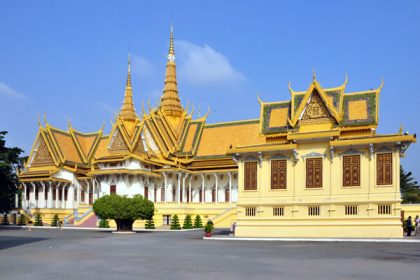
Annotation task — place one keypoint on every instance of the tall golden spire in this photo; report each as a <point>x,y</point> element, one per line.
<point>128,111</point>
<point>170,103</point>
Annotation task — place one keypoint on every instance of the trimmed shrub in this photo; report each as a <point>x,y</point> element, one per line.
<point>5,220</point>
<point>54,221</point>
<point>38,220</point>
<point>175,223</point>
<point>150,224</point>
<point>22,220</point>
<point>197,222</point>
<point>187,222</point>
<point>103,223</point>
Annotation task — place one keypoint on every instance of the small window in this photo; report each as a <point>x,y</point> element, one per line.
<point>278,174</point>
<point>278,211</point>
<point>313,210</point>
<point>250,211</point>
<point>384,209</point>
<point>384,169</point>
<point>351,210</point>
<point>351,171</point>
<point>112,189</point>
<point>250,180</point>
<point>314,173</point>
<point>146,192</point>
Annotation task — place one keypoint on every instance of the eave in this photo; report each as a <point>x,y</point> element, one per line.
<point>374,140</point>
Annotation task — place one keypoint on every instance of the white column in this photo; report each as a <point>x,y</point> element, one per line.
<point>70,196</point>
<point>24,201</point>
<point>87,195</point>
<point>203,194</point>
<point>230,186</point>
<point>217,186</point>
<point>44,201</point>
<point>165,184</point>
<point>189,186</point>
<point>184,194</point>
<point>179,187</point>
<point>49,196</point>
<point>63,202</point>
<point>16,200</point>
<point>32,196</point>
<point>79,193</point>
<point>93,190</point>
<point>56,195</point>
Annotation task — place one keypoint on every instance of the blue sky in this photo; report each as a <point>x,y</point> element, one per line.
<point>69,60</point>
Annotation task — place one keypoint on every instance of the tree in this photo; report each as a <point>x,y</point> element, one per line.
<point>9,160</point>
<point>38,220</point>
<point>22,220</point>
<point>187,222</point>
<point>103,223</point>
<point>150,224</point>
<point>410,189</point>
<point>54,221</point>
<point>5,220</point>
<point>123,210</point>
<point>197,222</point>
<point>175,223</point>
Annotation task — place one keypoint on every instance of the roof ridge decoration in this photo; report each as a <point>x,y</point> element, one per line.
<point>314,87</point>
<point>128,111</point>
<point>170,102</point>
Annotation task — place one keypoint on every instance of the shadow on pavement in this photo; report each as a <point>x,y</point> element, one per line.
<point>13,241</point>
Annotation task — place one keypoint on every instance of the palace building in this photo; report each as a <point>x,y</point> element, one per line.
<point>310,166</point>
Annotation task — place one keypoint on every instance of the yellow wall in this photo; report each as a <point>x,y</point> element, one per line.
<point>332,199</point>
<point>410,210</point>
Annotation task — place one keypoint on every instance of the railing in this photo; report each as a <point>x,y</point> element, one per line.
<point>195,205</point>
<point>79,218</point>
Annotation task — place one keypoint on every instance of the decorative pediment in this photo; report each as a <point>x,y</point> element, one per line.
<point>117,142</point>
<point>41,155</point>
<point>315,111</point>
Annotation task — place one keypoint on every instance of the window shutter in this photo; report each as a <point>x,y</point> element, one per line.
<point>384,169</point>
<point>314,173</point>
<point>351,170</point>
<point>278,174</point>
<point>250,176</point>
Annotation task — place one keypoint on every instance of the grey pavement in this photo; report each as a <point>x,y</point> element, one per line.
<point>72,254</point>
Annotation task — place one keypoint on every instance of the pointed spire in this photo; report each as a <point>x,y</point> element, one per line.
<point>170,103</point>
<point>128,112</point>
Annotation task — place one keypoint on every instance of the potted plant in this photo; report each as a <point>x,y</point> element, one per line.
<point>208,229</point>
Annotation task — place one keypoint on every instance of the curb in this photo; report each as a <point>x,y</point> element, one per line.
<point>367,240</point>
<point>98,229</point>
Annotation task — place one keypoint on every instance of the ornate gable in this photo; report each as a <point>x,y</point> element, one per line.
<point>41,155</point>
<point>117,143</point>
<point>315,111</point>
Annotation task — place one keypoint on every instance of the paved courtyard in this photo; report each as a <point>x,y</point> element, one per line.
<point>75,254</point>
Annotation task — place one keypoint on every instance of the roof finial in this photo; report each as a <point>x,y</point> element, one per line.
<point>129,69</point>
<point>128,111</point>
<point>171,53</point>
<point>313,75</point>
<point>401,129</point>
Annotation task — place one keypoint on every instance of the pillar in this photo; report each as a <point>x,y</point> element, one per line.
<point>44,201</point>
<point>189,187</point>
<point>70,196</point>
<point>93,190</point>
<point>179,187</point>
<point>79,194</point>
<point>63,202</point>
<point>165,184</point>
<point>24,201</point>
<point>184,195</point>
<point>49,196</point>
<point>203,193</point>
<point>33,202</point>
<point>230,187</point>
<point>56,195</point>
<point>217,186</point>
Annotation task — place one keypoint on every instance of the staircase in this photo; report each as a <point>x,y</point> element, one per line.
<point>225,218</point>
<point>87,219</point>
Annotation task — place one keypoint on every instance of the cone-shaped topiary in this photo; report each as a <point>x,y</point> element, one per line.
<point>38,220</point>
<point>175,223</point>
<point>197,222</point>
<point>150,224</point>
<point>54,221</point>
<point>104,223</point>
<point>187,222</point>
<point>5,220</point>
<point>22,220</point>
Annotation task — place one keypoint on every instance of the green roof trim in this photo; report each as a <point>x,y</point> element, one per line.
<point>370,97</point>
<point>267,108</point>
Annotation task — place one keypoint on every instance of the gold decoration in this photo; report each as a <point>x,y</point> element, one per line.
<point>316,109</point>
<point>42,155</point>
